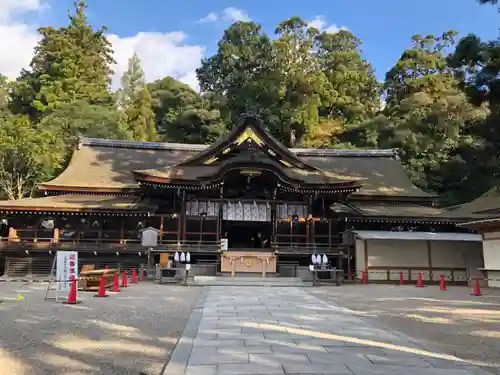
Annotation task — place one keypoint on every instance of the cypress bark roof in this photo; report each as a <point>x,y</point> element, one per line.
<point>80,203</point>
<point>107,166</point>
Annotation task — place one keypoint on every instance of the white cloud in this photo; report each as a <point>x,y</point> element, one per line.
<point>162,54</point>
<point>320,23</point>
<point>232,14</point>
<point>210,17</point>
<point>17,39</point>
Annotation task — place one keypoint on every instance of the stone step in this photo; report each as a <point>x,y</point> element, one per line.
<point>247,281</point>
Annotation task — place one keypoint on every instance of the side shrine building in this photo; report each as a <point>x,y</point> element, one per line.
<point>245,203</point>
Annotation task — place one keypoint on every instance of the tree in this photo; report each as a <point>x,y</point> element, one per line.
<point>354,93</point>
<point>428,114</point>
<point>241,70</point>
<point>4,92</point>
<point>182,115</point>
<point>28,154</point>
<point>81,118</point>
<point>71,63</point>
<point>135,103</point>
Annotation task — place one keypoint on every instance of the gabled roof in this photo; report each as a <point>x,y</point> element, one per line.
<point>80,203</point>
<point>100,165</point>
<point>250,131</point>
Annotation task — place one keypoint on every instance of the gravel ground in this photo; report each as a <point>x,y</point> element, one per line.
<point>452,322</point>
<point>131,332</point>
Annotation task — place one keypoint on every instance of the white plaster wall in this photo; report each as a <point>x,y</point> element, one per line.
<point>491,254</point>
<point>396,253</point>
<point>360,257</point>
<point>405,253</point>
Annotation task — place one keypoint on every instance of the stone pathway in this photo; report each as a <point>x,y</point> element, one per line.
<point>285,330</point>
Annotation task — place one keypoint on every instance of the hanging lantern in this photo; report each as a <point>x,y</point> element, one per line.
<point>176,256</point>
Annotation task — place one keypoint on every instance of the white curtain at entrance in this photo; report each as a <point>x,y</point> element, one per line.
<point>246,211</point>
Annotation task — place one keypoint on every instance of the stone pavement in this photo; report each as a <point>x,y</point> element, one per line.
<point>272,331</point>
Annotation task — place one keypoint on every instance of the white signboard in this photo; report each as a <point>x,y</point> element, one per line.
<point>223,244</point>
<point>150,237</point>
<point>67,269</point>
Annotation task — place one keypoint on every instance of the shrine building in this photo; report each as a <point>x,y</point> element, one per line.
<point>245,203</point>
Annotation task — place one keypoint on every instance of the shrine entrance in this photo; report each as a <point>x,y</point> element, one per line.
<point>244,235</point>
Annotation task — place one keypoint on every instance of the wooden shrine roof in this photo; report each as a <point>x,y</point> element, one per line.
<point>99,165</point>
<point>486,205</point>
<point>79,203</point>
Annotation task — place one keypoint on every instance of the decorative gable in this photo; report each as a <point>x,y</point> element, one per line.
<point>248,141</point>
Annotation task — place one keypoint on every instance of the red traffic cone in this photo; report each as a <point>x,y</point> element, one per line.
<point>125,280</point>
<point>420,284</point>
<point>363,278</point>
<point>72,294</point>
<point>142,275</point>
<point>477,289</point>
<point>102,288</point>
<point>116,283</point>
<point>442,286</point>
<point>134,277</point>
<point>401,278</point>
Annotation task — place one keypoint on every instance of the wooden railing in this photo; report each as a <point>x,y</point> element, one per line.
<point>305,248</point>
<point>111,240</point>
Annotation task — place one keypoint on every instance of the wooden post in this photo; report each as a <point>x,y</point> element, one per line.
<point>122,230</point>
<point>429,255</point>
<point>161,229</point>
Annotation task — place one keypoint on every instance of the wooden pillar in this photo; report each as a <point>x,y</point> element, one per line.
<point>365,242</point>
<point>161,229</point>
<point>122,230</point>
<point>182,226</point>
<point>429,256</point>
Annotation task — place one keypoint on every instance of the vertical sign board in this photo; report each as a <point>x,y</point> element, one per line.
<point>67,269</point>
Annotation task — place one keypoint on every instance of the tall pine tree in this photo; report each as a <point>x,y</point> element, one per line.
<point>70,64</point>
<point>135,103</point>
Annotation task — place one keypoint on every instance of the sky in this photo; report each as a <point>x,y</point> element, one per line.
<point>171,37</point>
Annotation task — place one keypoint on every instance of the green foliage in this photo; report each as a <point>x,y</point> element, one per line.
<point>182,115</point>
<point>81,118</point>
<point>428,116</point>
<point>439,103</point>
<point>28,154</point>
<point>135,103</point>
<point>71,63</point>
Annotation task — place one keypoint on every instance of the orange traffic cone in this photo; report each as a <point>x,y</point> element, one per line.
<point>125,280</point>
<point>442,286</point>
<point>142,275</point>
<point>401,278</point>
<point>477,289</point>
<point>420,284</point>
<point>363,278</point>
<point>72,294</point>
<point>102,288</point>
<point>116,283</point>
<point>134,277</point>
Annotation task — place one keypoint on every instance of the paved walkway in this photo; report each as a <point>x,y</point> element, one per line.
<point>280,330</point>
